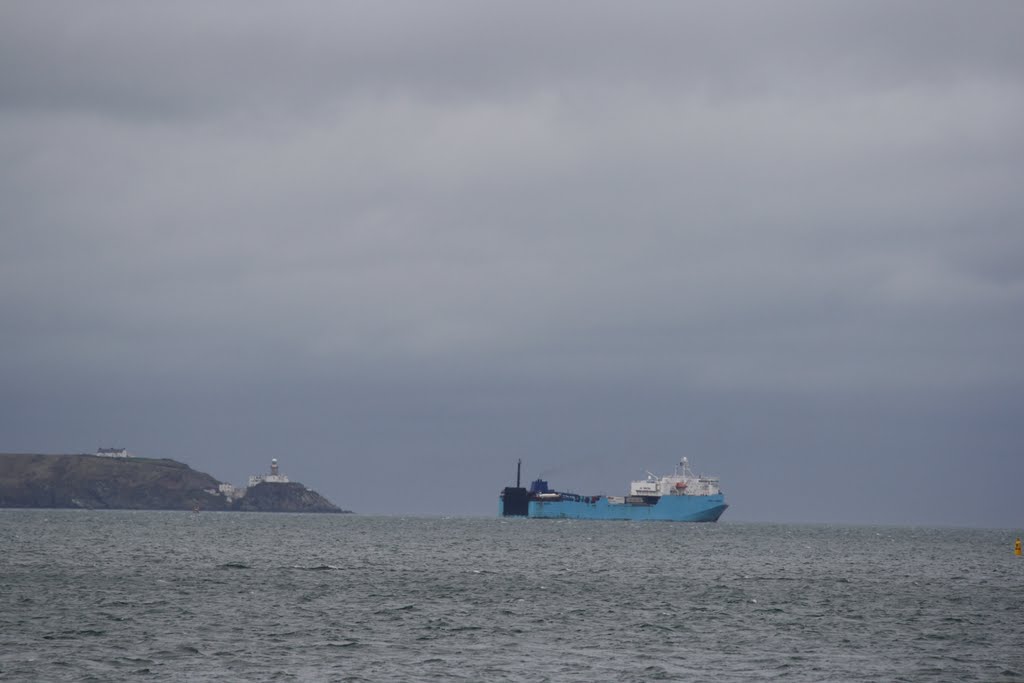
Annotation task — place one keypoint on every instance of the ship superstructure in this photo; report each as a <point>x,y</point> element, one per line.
<point>681,496</point>
<point>679,483</point>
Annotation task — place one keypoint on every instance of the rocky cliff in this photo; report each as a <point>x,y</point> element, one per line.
<point>292,497</point>
<point>89,481</point>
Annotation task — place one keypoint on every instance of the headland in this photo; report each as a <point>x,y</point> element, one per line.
<point>117,482</point>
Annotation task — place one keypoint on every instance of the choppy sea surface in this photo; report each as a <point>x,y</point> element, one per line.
<point>169,596</point>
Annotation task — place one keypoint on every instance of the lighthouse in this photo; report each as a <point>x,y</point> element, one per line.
<point>275,476</point>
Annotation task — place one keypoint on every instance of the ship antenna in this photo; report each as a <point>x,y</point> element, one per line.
<point>519,467</point>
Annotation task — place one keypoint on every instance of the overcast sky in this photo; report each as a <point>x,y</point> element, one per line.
<point>400,245</point>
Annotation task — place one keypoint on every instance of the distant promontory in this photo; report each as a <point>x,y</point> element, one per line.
<point>88,481</point>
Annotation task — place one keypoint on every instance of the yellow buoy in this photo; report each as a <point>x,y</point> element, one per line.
<point>1016,547</point>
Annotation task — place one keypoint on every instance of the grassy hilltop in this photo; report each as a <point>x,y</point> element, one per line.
<point>89,481</point>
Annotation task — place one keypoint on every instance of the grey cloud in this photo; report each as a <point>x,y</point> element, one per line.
<point>158,60</point>
<point>433,223</point>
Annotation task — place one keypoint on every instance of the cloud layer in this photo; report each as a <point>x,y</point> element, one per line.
<point>796,202</point>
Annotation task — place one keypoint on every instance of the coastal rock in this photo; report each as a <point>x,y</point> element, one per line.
<point>29,480</point>
<point>94,482</point>
<point>289,497</point>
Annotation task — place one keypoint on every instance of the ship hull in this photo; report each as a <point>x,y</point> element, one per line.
<point>667,508</point>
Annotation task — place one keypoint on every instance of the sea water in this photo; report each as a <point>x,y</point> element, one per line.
<point>172,596</point>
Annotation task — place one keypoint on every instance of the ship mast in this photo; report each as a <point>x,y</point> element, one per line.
<point>684,464</point>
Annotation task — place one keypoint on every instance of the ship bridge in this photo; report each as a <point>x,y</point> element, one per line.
<point>682,482</point>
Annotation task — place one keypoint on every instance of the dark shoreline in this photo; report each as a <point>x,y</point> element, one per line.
<point>92,482</point>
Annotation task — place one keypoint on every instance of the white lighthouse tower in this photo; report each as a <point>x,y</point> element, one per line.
<point>275,477</point>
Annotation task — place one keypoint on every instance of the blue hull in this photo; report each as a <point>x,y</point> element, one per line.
<point>668,508</point>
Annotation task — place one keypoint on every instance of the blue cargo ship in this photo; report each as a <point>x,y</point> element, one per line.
<point>677,497</point>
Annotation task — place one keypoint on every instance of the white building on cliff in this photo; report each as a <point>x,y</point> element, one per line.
<point>274,477</point>
<point>112,452</point>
